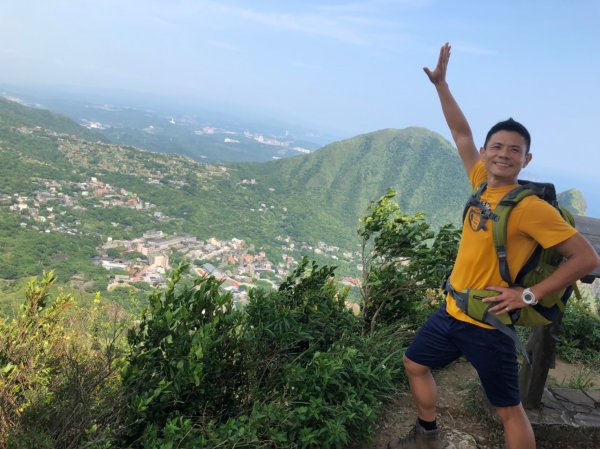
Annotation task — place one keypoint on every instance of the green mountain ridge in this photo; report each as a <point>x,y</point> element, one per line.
<point>344,176</point>
<point>339,180</point>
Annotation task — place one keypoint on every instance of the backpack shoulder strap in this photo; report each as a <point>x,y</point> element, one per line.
<point>499,227</point>
<point>474,199</point>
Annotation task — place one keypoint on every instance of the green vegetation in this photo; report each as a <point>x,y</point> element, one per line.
<point>27,253</point>
<point>293,369</point>
<point>59,370</point>
<point>573,200</point>
<point>304,200</point>
<point>580,340</point>
<point>256,203</point>
<point>404,263</point>
<point>334,185</point>
<point>14,114</point>
<point>583,380</point>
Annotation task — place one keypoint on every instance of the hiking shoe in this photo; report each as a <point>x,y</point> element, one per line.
<point>418,438</point>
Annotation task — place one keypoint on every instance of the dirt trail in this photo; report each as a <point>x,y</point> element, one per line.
<point>455,385</point>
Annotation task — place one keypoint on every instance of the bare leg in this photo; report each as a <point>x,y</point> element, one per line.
<point>423,388</point>
<point>518,433</point>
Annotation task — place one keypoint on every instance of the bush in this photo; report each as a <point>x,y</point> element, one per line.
<point>580,337</point>
<point>291,370</point>
<point>186,358</point>
<point>58,371</point>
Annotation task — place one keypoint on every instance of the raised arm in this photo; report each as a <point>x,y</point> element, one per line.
<point>459,127</point>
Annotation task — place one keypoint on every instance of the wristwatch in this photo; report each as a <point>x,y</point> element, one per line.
<point>528,297</point>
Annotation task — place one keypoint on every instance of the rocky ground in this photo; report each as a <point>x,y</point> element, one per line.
<point>460,412</point>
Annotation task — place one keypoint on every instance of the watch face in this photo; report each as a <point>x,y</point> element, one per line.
<point>528,297</point>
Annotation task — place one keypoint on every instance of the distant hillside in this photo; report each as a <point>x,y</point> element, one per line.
<point>340,179</point>
<point>573,200</point>
<point>206,136</point>
<point>15,114</point>
<point>213,145</point>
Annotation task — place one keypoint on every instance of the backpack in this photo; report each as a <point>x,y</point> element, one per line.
<point>541,264</point>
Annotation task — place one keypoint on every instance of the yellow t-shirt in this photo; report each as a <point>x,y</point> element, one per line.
<point>532,221</point>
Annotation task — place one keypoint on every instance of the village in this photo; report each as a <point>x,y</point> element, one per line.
<point>230,261</point>
<point>42,210</point>
<point>52,207</point>
<point>243,268</point>
<point>209,130</point>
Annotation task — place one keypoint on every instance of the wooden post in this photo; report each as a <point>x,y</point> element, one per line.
<point>541,345</point>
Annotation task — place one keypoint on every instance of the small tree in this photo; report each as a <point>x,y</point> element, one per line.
<point>403,261</point>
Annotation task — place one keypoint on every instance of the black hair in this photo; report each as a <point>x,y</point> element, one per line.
<point>509,125</point>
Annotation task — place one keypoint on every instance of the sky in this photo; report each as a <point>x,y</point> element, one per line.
<point>343,67</point>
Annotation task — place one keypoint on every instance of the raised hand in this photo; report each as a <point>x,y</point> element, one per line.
<point>457,122</point>
<point>438,76</point>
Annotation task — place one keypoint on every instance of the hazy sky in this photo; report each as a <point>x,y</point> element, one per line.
<point>346,67</point>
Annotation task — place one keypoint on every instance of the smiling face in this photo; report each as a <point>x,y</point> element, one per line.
<point>504,156</point>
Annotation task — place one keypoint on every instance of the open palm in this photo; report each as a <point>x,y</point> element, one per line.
<point>439,73</point>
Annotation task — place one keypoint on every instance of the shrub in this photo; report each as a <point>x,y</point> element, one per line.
<point>186,358</point>
<point>58,371</point>
<point>291,370</point>
<point>580,337</point>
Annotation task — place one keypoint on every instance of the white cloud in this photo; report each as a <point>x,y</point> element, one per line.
<point>473,49</point>
<point>354,29</point>
<point>311,24</point>
<point>374,6</point>
<point>222,45</point>
<point>307,66</point>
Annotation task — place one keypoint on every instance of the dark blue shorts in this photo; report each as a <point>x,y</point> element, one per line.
<point>443,339</point>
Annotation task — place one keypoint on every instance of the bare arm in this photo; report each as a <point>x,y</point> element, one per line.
<point>459,127</point>
<point>580,260</point>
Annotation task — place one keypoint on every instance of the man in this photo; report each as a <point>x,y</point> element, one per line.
<point>450,333</point>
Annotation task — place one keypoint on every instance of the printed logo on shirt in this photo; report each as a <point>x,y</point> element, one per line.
<point>479,216</point>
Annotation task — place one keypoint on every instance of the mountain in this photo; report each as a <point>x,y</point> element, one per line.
<point>573,201</point>
<point>337,182</point>
<point>317,196</point>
